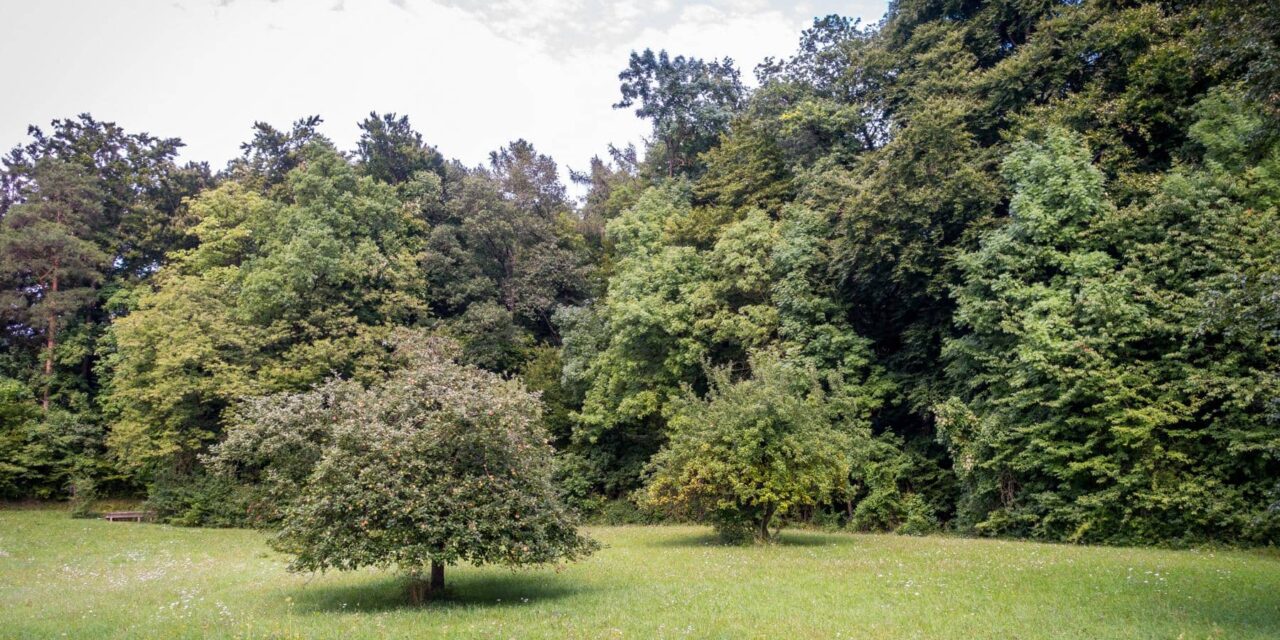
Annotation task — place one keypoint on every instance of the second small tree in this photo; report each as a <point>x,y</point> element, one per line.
<point>754,449</point>
<point>438,464</point>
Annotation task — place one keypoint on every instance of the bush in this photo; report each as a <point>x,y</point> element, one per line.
<point>892,484</point>
<point>200,500</point>
<point>753,450</point>
<point>917,518</point>
<point>84,494</point>
<point>888,509</point>
<point>622,511</point>
<point>42,453</point>
<point>576,478</point>
<point>826,520</point>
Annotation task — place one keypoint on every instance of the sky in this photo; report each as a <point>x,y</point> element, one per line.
<point>472,75</point>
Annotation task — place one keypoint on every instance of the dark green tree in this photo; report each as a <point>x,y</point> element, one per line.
<point>689,101</point>
<point>48,257</point>
<point>140,183</point>
<point>272,154</point>
<point>505,236</point>
<point>1100,402</point>
<point>391,151</point>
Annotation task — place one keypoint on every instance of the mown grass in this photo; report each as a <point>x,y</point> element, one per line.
<point>91,579</point>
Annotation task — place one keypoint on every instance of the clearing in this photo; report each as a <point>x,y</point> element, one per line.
<point>93,579</point>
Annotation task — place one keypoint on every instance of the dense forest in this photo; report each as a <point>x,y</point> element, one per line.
<point>1011,267</point>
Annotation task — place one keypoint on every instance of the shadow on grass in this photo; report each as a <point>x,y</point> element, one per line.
<point>465,591</point>
<point>1229,615</point>
<point>785,539</point>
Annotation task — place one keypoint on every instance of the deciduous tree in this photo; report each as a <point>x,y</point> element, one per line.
<point>438,464</point>
<point>755,449</point>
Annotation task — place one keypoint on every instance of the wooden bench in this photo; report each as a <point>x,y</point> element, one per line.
<point>125,516</point>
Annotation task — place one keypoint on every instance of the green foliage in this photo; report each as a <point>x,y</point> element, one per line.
<point>277,294</point>
<point>541,373</point>
<point>272,154</point>
<point>625,511</point>
<point>202,499</point>
<point>612,187</point>
<point>502,254</point>
<point>902,225</point>
<point>1098,405</point>
<point>687,290</point>
<point>689,101</point>
<point>391,151</point>
<point>754,450</point>
<point>889,484</point>
<point>85,209</point>
<point>438,464</point>
<point>61,447</point>
<point>747,168</point>
<point>43,454</point>
<point>84,495</point>
<point>18,411</point>
<point>48,257</point>
<point>140,186</point>
<point>1078,342</point>
<point>632,351</point>
<point>1240,36</point>
<point>490,337</point>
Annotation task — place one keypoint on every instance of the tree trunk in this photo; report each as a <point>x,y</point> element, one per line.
<point>50,340</point>
<point>437,577</point>
<point>763,533</point>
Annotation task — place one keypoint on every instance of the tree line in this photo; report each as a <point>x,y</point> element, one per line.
<point>1001,267</point>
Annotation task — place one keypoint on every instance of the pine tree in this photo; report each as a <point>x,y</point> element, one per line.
<point>48,254</point>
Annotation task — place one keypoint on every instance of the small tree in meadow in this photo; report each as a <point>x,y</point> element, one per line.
<point>438,464</point>
<point>753,450</point>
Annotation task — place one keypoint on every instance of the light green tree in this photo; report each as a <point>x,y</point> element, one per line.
<point>278,293</point>
<point>754,450</point>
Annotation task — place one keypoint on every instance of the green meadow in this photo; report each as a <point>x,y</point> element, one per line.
<point>61,577</point>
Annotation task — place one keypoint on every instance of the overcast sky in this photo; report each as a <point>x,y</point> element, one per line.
<point>471,74</point>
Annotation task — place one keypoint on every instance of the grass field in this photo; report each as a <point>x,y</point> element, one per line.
<point>90,579</point>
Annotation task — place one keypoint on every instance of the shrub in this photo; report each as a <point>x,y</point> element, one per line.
<point>200,500</point>
<point>43,452</point>
<point>84,495</point>
<point>624,511</point>
<point>753,450</point>
<point>888,482</point>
